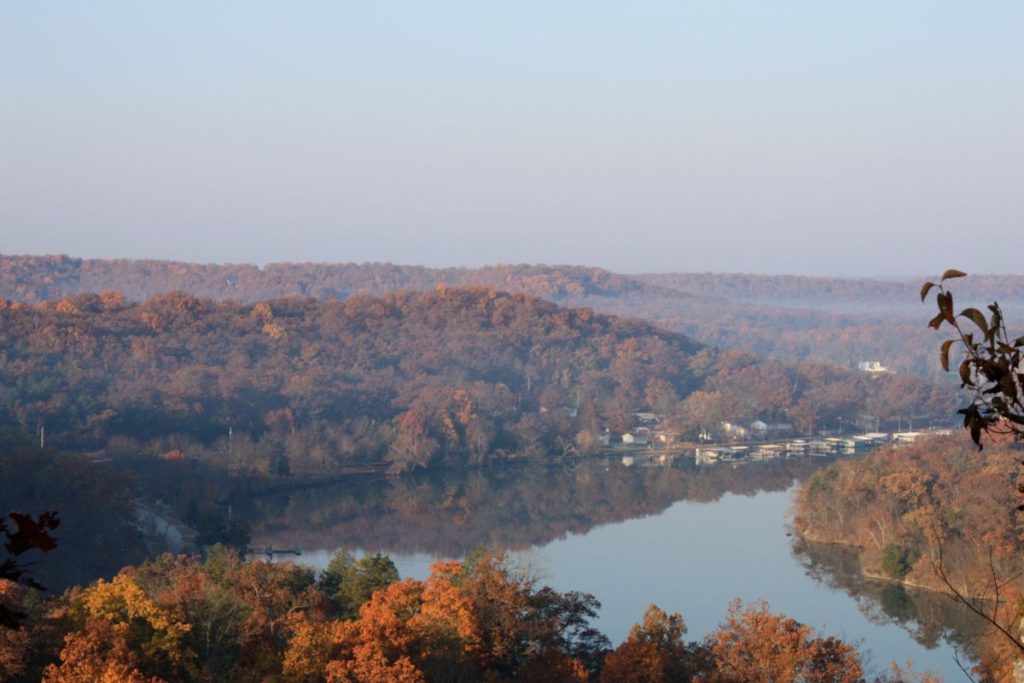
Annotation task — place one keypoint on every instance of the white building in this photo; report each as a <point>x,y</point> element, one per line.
<point>634,439</point>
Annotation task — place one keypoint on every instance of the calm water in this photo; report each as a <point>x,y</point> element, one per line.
<point>685,539</point>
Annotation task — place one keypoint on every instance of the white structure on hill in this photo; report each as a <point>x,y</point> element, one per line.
<point>872,366</point>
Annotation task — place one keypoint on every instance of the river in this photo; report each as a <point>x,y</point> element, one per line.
<point>685,538</point>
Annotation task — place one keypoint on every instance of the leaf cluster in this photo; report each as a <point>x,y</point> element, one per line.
<point>991,366</point>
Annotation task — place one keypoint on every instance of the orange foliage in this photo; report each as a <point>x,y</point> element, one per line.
<point>100,653</point>
<point>936,508</point>
<point>654,652</point>
<point>756,646</point>
<point>176,619</point>
<point>13,642</point>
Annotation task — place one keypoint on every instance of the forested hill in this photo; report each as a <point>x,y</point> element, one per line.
<point>38,278</point>
<point>448,376</point>
<point>840,321</point>
<point>416,378</point>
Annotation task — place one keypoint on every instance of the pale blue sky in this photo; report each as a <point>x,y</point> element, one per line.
<point>809,137</point>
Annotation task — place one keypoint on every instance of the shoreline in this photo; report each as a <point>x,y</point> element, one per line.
<point>868,573</point>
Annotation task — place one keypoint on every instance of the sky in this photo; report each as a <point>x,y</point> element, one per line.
<point>833,138</point>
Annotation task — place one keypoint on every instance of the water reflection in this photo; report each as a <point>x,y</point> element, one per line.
<point>931,618</point>
<point>448,514</point>
<point>686,538</point>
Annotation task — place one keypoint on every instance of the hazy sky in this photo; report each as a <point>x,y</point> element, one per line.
<point>807,137</point>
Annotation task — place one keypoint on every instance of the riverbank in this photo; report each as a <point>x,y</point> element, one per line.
<point>876,574</point>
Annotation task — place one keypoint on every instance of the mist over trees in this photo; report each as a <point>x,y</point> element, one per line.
<point>842,321</point>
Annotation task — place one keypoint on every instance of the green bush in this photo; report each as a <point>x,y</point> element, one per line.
<point>897,561</point>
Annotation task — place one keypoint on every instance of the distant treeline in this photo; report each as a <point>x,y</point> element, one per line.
<point>829,292</point>
<point>446,377</point>
<point>842,321</point>
<point>39,278</point>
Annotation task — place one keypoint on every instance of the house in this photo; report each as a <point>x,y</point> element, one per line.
<point>734,430</point>
<point>761,428</point>
<point>635,438</point>
<point>873,366</point>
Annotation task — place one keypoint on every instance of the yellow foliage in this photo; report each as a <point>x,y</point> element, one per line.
<point>274,331</point>
<point>262,311</point>
<point>123,603</point>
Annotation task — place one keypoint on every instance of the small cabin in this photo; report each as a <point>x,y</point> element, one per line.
<point>634,439</point>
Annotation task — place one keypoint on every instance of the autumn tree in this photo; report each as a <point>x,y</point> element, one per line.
<point>756,646</point>
<point>654,652</point>
<point>100,654</point>
<point>120,625</point>
<point>14,642</point>
<point>414,445</point>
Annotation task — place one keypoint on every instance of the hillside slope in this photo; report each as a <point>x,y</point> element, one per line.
<point>840,321</point>
<point>447,376</point>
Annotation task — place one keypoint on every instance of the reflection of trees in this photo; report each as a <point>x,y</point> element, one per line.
<point>451,513</point>
<point>928,616</point>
